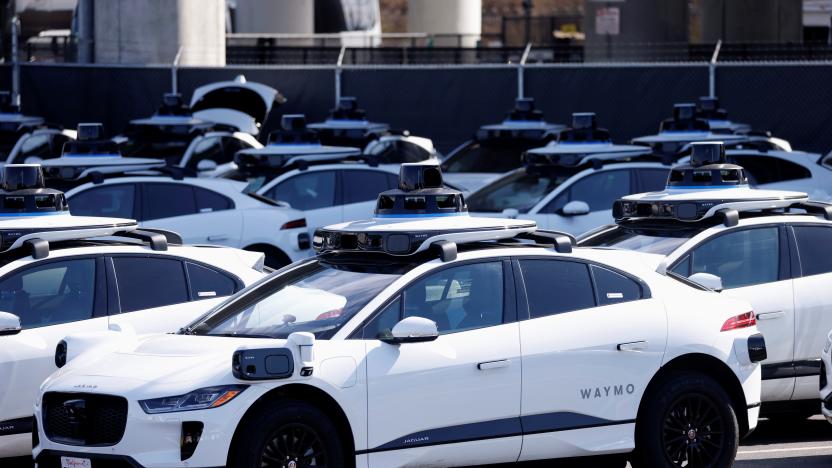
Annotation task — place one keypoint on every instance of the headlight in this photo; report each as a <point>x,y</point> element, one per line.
<point>828,346</point>
<point>209,397</point>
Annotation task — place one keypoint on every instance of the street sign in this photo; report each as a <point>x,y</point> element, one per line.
<point>608,21</point>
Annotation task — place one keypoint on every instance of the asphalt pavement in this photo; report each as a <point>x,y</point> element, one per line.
<point>802,444</point>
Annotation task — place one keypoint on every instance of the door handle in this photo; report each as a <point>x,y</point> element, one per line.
<point>632,346</point>
<point>771,315</point>
<point>493,364</point>
<point>217,237</point>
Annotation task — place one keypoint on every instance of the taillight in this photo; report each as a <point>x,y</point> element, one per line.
<point>298,223</point>
<point>740,321</point>
<point>330,314</point>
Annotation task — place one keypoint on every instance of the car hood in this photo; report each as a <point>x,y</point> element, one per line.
<point>163,360</point>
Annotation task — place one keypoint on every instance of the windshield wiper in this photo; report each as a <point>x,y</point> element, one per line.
<point>240,335</point>
<point>185,331</point>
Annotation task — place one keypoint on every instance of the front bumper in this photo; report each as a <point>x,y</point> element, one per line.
<point>826,385</point>
<point>155,440</point>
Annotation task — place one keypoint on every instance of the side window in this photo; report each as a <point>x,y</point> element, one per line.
<point>600,190</point>
<point>459,298</point>
<point>168,200</point>
<point>383,323</point>
<point>208,201</point>
<point>362,186</point>
<point>740,258</point>
<point>652,180</point>
<point>146,282</point>
<point>767,169</point>
<point>556,286</point>
<point>114,201</point>
<point>683,267</point>
<point>307,191</point>
<point>614,288</point>
<point>52,293</point>
<point>207,283</point>
<point>207,148</point>
<point>809,239</point>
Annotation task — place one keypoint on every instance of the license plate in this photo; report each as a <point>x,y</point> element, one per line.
<point>72,462</point>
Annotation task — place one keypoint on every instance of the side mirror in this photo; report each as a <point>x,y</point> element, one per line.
<point>206,165</point>
<point>413,330</point>
<point>708,280</point>
<point>511,213</point>
<point>33,160</point>
<point>575,208</point>
<point>10,324</point>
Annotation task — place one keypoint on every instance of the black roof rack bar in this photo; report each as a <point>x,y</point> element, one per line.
<point>562,242</point>
<point>171,236</point>
<point>818,208</point>
<point>446,250</point>
<point>157,241</point>
<point>38,247</point>
<point>730,217</point>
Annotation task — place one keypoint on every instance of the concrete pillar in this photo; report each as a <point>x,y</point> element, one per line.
<point>750,20</point>
<point>447,17</point>
<point>152,31</point>
<point>275,16</point>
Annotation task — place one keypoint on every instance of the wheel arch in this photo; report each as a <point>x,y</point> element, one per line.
<point>712,367</point>
<point>309,394</point>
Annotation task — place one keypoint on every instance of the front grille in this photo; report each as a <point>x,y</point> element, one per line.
<point>84,419</point>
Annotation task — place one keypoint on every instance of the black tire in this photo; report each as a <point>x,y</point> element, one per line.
<point>288,428</point>
<point>687,421</point>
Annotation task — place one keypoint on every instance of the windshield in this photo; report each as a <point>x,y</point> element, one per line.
<point>661,241</point>
<point>316,297</point>
<point>521,190</point>
<point>493,156</point>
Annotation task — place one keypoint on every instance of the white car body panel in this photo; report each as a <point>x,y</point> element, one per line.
<point>27,358</point>
<point>383,388</point>
<point>826,390</point>
<point>251,222</point>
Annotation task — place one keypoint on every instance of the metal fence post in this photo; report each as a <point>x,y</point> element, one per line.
<point>712,70</point>
<point>521,69</point>
<point>174,72</point>
<point>15,61</point>
<point>338,74</point>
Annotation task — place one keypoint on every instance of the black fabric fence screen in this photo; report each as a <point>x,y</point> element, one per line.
<point>447,104</point>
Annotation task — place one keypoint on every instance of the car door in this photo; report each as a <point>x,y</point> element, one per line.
<point>598,190</point>
<point>592,338</point>
<point>314,193</point>
<point>454,400</point>
<point>172,282</point>
<point>199,215</point>
<point>360,189</point>
<point>109,200</point>
<point>53,298</point>
<point>754,265</point>
<point>812,305</point>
